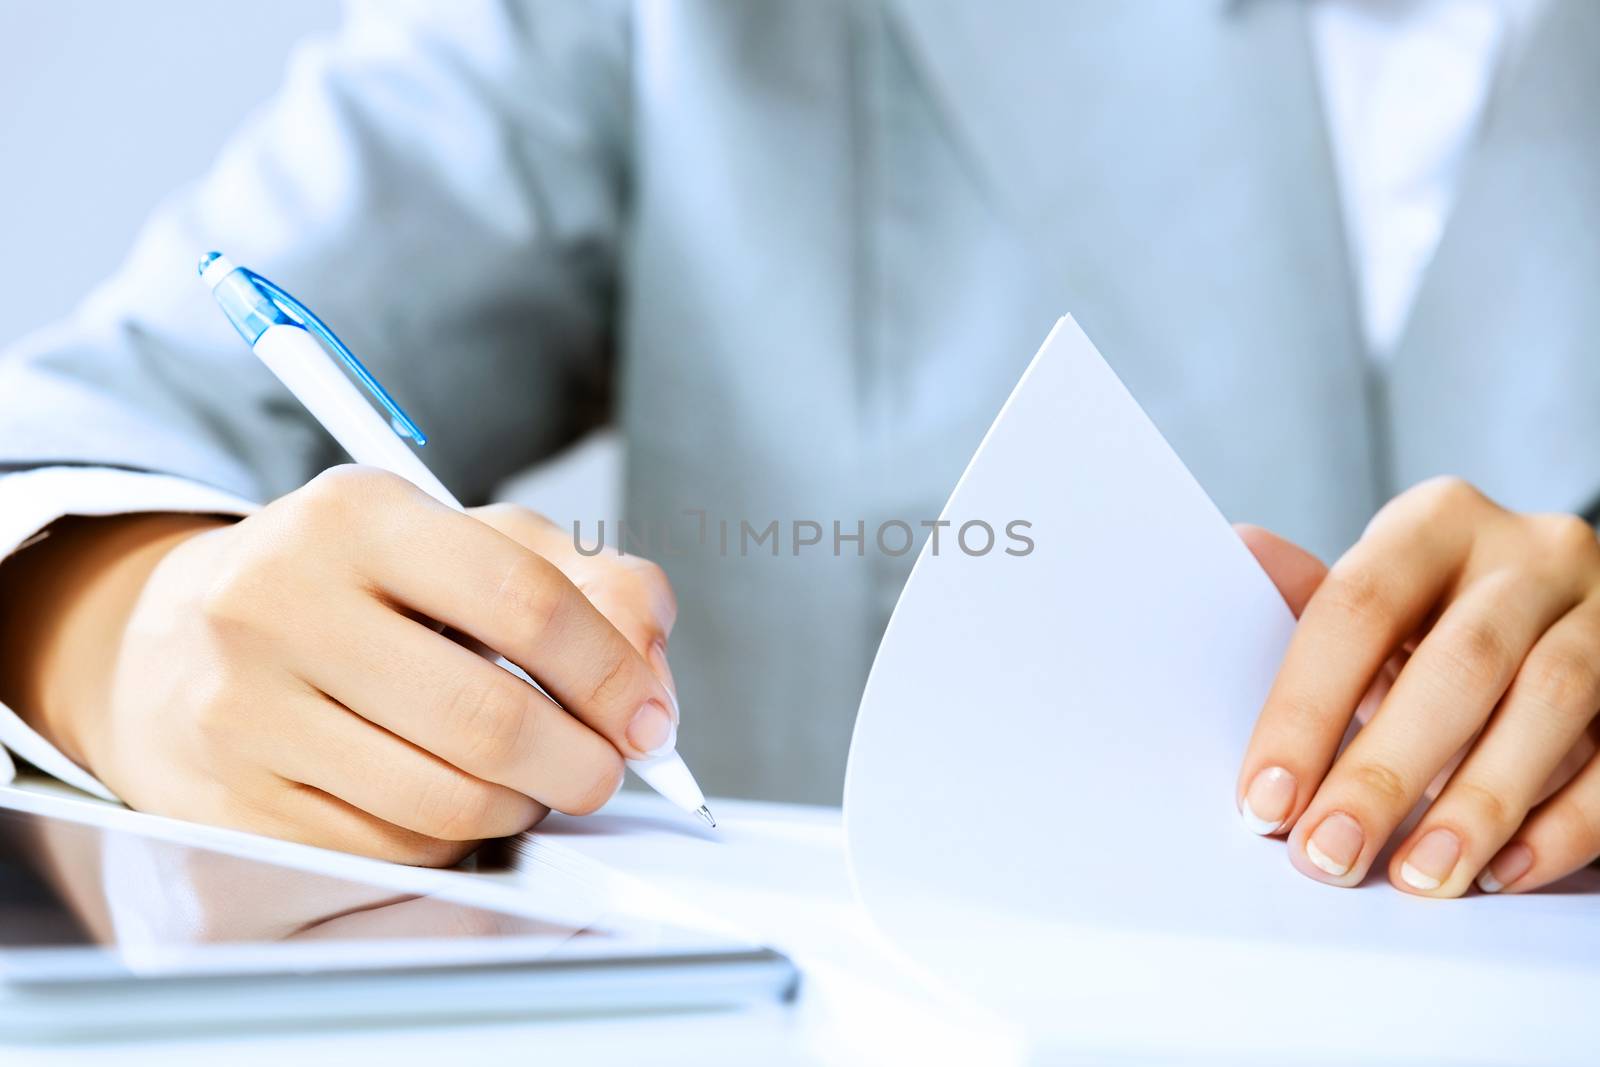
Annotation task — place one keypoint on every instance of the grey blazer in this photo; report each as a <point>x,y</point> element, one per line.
<point>800,252</point>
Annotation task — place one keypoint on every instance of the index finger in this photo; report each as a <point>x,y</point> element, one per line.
<point>630,591</point>
<point>1371,601</point>
<point>460,572</point>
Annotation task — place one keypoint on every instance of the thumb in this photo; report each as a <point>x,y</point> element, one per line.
<point>1295,572</point>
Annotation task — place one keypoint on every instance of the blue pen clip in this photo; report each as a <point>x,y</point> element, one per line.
<point>251,322</point>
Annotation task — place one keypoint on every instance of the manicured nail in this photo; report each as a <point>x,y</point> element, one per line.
<point>1334,845</point>
<point>658,663</point>
<point>1268,800</point>
<point>652,730</point>
<point>1431,860</point>
<point>1512,863</point>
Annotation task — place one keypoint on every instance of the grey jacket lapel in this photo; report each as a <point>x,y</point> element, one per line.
<point>1498,378</point>
<point>1170,164</point>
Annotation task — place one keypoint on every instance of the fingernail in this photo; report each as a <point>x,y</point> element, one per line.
<point>1431,860</point>
<point>1335,844</point>
<point>1513,862</point>
<point>652,730</point>
<point>1268,800</point>
<point>658,663</point>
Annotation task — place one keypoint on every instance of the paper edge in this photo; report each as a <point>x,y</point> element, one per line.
<point>922,556</point>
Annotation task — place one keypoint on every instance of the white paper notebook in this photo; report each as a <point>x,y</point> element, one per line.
<point>1039,805</point>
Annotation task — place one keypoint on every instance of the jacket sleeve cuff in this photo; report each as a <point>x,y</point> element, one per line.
<point>32,500</point>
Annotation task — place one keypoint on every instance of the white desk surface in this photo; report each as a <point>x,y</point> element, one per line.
<point>773,873</point>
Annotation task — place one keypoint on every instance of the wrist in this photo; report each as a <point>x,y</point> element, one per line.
<point>64,604</point>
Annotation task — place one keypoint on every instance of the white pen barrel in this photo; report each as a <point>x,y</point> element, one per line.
<point>322,386</point>
<point>669,776</point>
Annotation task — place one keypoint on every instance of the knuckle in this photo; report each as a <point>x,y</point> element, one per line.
<point>612,683</point>
<point>1440,498</point>
<point>1485,806</point>
<point>345,492</point>
<point>528,598</point>
<point>646,572</point>
<point>1574,827</point>
<point>1383,784</point>
<point>1356,591</point>
<point>498,513</point>
<point>1569,537</point>
<point>1445,494</point>
<point>1297,708</point>
<point>454,808</point>
<point>1474,652</point>
<point>1564,681</point>
<point>515,522</point>
<point>240,590</point>
<point>215,713</point>
<point>330,492</point>
<point>223,605</point>
<point>655,584</point>
<point>492,719</point>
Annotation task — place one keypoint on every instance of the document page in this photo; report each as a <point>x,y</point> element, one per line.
<point>1040,798</point>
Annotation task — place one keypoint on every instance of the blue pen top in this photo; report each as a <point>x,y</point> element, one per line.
<point>253,304</point>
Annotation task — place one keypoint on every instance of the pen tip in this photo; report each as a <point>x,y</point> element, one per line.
<point>208,259</point>
<point>705,813</point>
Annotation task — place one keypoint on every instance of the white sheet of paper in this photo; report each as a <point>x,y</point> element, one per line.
<point>1039,804</point>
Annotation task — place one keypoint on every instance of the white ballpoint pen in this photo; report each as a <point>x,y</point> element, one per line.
<point>290,340</point>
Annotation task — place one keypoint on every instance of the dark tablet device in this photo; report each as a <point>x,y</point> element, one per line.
<point>109,925</point>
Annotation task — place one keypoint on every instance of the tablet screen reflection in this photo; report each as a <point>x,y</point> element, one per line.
<point>66,883</point>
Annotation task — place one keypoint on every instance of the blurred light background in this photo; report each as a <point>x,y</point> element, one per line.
<point>81,166</point>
